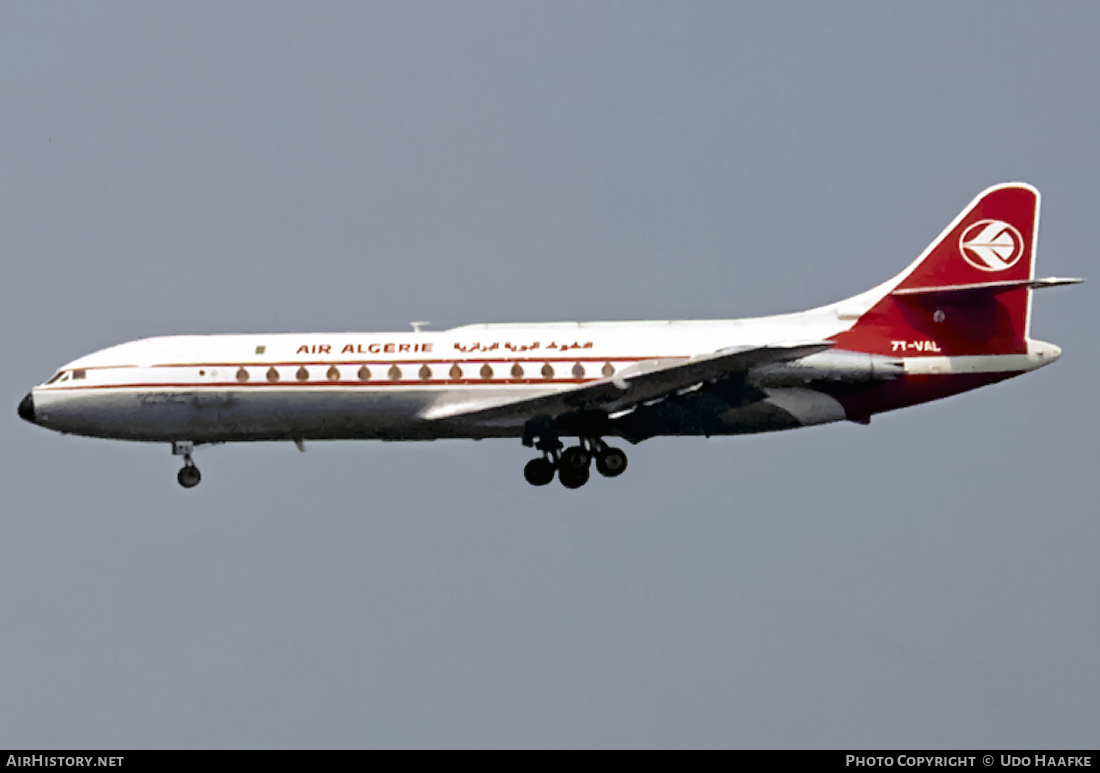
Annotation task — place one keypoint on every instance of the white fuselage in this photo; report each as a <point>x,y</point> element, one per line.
<point>391,385</point>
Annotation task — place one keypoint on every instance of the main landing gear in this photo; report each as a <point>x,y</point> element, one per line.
<point>573,464</point>
<point>189,475</point>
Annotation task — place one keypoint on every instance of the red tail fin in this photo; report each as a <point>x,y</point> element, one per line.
<point>968,293</point>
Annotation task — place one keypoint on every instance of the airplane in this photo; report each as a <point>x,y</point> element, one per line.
<point>957,318</point>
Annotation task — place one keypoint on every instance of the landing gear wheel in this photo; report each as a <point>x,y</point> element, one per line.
<point>538,472</point>
<point>189,476</point>
<point>574,458</point>
<point>610,462</point>
<point>573,477</point>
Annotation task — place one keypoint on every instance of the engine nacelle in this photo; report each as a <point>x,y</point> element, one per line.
<point>835,365</point>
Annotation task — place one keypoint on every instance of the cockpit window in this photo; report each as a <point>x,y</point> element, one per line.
<point>65,375</point>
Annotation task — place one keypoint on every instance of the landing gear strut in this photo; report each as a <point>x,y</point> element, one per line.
<point>189,475</point>
<point>573,464</point>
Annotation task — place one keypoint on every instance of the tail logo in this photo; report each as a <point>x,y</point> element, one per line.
<point>991,245</point>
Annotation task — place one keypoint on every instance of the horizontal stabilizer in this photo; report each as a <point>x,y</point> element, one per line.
<point>993,287</point>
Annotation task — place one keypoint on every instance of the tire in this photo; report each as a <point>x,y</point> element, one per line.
<point>189,476</point>
<point>611,462</point>
<point>538,472</point>
<point>573,478</point>
<point>574,458</point>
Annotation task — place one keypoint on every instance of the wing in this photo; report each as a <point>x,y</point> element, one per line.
<point>641,383</point>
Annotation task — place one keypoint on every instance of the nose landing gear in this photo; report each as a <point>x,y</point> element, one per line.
<point>573,464</point>
<point>189,475</point>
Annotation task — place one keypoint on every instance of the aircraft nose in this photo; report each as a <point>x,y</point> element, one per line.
<point>26,408</point>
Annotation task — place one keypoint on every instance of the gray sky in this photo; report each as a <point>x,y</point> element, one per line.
<point>928,581</point>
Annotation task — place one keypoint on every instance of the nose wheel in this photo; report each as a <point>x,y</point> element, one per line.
<point>573,464</point>
<point>189,475</point>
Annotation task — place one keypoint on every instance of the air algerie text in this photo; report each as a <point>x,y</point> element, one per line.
<point>389,348</point>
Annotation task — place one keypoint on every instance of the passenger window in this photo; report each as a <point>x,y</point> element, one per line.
<point>578,371</point>
<point>486,371</point>
<point>394,373</point>
<point>425,373</point>
<point>302,374</point>
<point>242,374</point>
<point>364,373</point>
<point>517,370</point>
<point>272,375</point>
<point>333,373</point>
<point>547,371</point>
<point>456,372</point>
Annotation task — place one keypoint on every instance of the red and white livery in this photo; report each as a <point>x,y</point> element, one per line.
<point>957,318</point>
